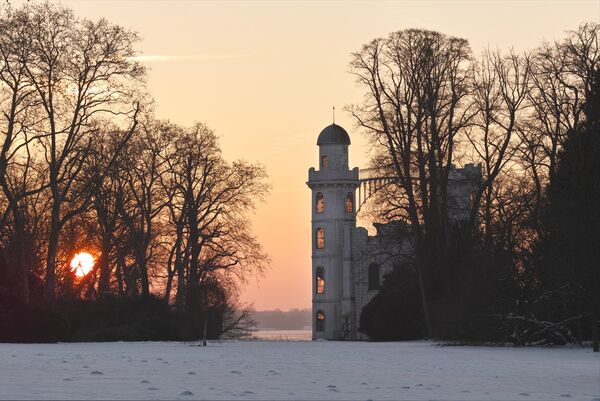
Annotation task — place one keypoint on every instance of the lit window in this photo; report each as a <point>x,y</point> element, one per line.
<point>320,203</point>
<point>320,280</point>
<point>349,203</point>
<point>320,238</point>
<point>320,321</point>
<point>373,277</point>
<point>324,161</point>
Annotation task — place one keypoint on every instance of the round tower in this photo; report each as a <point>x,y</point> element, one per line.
<point>333,188</point>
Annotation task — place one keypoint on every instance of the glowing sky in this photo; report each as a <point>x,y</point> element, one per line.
<point>264,76</point>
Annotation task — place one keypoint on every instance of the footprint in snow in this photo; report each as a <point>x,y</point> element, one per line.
<point>187,393</point>
<point>236,372</point>
<point>159,359</point>
<point>96,372</point>
<point>145,381</point>
<point>524,394</point>
<point>364,384</point>
<point>191,373</point>
<point>152,389</point>
<point>67,379</point>
<point>86,367</point>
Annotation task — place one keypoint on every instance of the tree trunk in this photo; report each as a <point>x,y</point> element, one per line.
<point>143,267</point>
<point>488,221</point>
<point>119,274</point>
<point>104,280</point>
<point>53,238</point>
<point>179,297</point>
<point>419,264</point>
<point>22,261</point>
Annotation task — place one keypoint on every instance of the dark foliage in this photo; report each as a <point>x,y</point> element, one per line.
<point>566,258</point>
<point>468,296</point>
<point>106,319</point>
<point>395,313</point>
<point>474,286</point>
<point>203,315</point>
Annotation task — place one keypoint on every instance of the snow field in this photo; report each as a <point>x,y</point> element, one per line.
<point>290,370</point>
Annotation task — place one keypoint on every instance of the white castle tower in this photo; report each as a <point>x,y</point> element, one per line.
<point>333,188</point>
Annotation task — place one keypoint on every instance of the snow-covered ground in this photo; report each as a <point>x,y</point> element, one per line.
<point>282,335</point>
<point>247,370</point>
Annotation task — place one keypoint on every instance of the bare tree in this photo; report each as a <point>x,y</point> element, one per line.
<point>209,199</point>
<point>501,87</point>
<point>78,69</point>
<point>561,80</point>
<point>141,203</point>
<point>415,105</point>
<point>17,105</point>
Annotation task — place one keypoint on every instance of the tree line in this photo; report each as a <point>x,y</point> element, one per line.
<point>85,166</point>
<point>523,267</point>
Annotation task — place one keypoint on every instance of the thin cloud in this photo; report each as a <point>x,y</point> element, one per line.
<point>199,57</point>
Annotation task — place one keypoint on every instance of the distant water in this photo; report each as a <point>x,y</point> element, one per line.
<point>283,335</point>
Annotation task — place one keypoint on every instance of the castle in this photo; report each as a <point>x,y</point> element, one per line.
<point>348,265</point>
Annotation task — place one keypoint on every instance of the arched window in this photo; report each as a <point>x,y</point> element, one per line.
<point>324,161</point>
<point>349,202</point>
<point>320,321</point>
<point>320,202</point>
<point>320,238</point>
<point>373,277</point>
<point>320,280</point>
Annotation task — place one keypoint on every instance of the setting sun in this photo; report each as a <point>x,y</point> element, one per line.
<point>82,264</point>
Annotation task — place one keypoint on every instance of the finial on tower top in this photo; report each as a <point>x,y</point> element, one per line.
<point>334,114</point>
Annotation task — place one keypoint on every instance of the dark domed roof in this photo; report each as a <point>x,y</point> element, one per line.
<point>333,135</point>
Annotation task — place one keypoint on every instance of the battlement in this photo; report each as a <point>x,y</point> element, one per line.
<point>327,176</point>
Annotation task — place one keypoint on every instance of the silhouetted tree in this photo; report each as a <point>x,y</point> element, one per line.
<point>416,103</point>
<point>75,70</point>
<point>568,251</point>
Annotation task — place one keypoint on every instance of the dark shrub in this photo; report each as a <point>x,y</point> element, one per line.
<point>395,313</point>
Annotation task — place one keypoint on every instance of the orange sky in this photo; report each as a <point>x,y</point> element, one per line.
<point>264,76</point>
